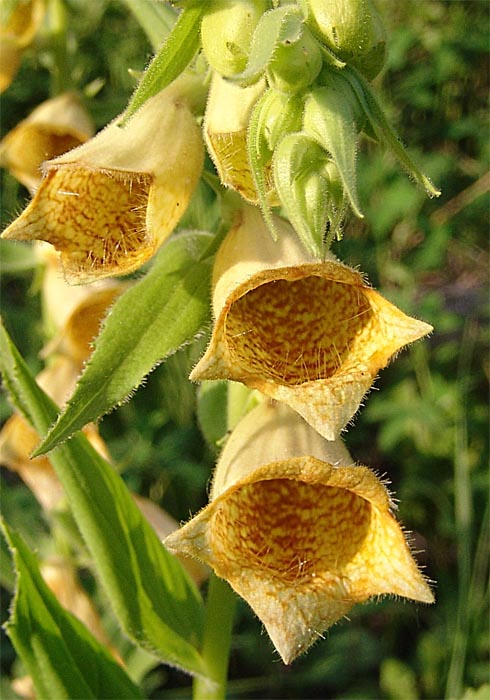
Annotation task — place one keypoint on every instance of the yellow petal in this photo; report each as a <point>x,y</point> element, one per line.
<point>311,334</point>
<point>110,203</point>
<point>56,126</point>
<point>300,539</point>
<point>83,325</point>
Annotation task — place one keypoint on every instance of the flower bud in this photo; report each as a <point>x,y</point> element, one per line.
<point>56,126</point>
<point>226,33</point>
<point>303,187</point>
<point>225,128</point>
<point>297,530</point>
<point>109,204</point>
<point>295,65</point>
<point>274,116</point>
<point>331,117</point>
<point>310,334</point>
<point>353,30</point>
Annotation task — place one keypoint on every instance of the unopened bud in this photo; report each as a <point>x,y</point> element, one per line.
<point>353,30</point>
<point>331,117</point>
<point>295,65</point>
<point>226,33</point>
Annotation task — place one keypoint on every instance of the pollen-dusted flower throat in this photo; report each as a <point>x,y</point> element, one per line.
<point>108,205</point>
<point>312,334</point>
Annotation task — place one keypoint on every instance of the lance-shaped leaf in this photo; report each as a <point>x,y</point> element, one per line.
<point>153,598</point>
<point>297,530</point>
<point>64,660</point>
<point>153,319</point>
<point>180,47</point>
<point>108,205</point>
<point>311,334</point>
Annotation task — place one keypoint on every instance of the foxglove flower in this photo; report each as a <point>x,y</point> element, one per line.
<point>19,24</point>
<point>225,130</point>
<point>56,126</point>
<point>311,334</point>
<point>110,203</point>
<point>297,530</point>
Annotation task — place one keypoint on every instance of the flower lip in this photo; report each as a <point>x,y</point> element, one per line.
<point>303,541</point>
<point>312,334</point>
<point>110,203</point>
<point>297,530</point>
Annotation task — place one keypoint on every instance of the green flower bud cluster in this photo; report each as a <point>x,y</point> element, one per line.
<point>315,58</point>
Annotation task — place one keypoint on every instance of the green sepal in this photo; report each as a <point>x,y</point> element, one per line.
<point>155,601</point>
<point>63,658</point>
<point>383,130</point>
<point>166,309</point>
<point>180,47</point>
<point>275,115</point>
<point>303,187</point>
<point>275,27</point>
<point>331,117</point>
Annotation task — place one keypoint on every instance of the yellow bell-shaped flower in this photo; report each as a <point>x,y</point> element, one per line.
<point>56,126</point>
<point>19,23</point>
<point>309,333</point>
<point>297,530</point>
<point>110,203</point>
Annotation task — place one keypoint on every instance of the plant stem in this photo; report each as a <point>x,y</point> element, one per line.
<point>220,608</point>
<point>57,26</point>
<point>463,507</point>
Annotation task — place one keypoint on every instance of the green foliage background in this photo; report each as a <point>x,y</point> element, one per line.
<point>427,426</point>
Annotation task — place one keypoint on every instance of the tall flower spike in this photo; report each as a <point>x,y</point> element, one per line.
<point>297,530</point>
<point>56,126</point>
<point>310,334</point>
<point>110,203</point>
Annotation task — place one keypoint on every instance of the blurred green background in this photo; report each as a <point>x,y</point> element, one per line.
<point>425,425</point>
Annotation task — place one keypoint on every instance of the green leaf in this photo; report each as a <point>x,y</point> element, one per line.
<point>165,310</point>
<point>60,654</point>
<point>155,601</point>
<point>17,257</point>
<point>173,58</point>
